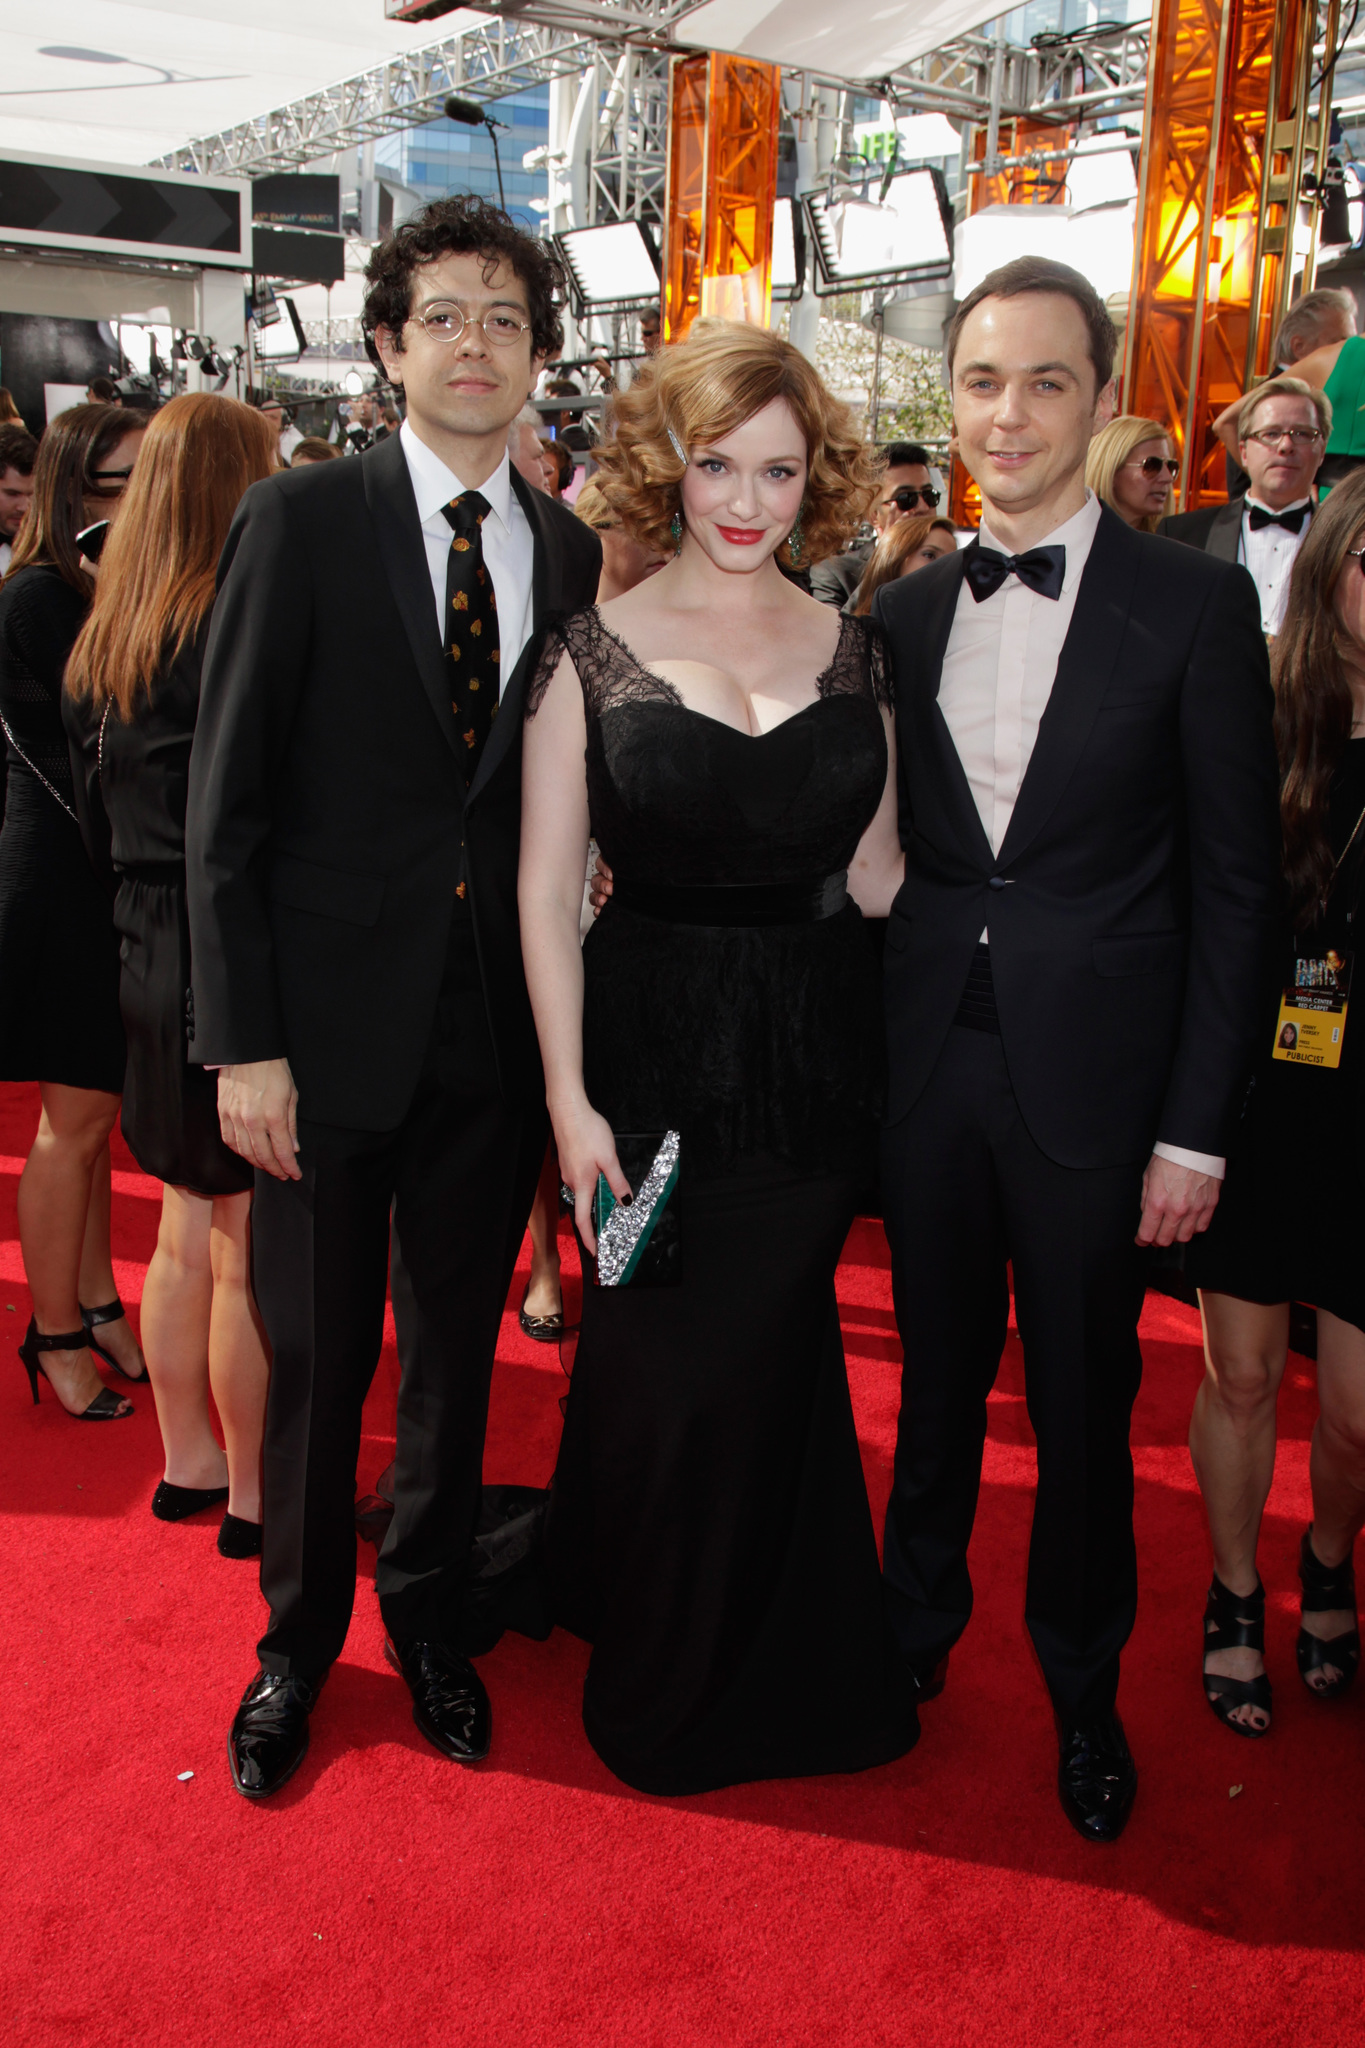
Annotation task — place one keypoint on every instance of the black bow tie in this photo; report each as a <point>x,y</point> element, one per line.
<point>1042,569</point>
<point>1291,521</point>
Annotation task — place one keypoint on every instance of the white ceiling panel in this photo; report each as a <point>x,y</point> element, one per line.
<point>845,42</point>
<point>125,82</point>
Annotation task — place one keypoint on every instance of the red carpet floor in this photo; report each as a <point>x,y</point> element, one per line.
<point>388,1897</point>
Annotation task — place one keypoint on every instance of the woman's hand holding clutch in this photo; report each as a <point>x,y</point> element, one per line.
<point>586,1148</point>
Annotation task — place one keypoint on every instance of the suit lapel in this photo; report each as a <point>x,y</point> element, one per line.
<point>546,600</point>
<point>1089,652</point>
<point>945,780</point>
<point>1225,533</point>
<point>402,551</point>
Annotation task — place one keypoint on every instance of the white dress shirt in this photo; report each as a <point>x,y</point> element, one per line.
<point>998,671</point>
<point>6,550</point>
<point>508,543</point>
<point>1269,555</point>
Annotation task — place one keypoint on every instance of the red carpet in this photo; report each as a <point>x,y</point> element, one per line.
<point>388,1897</point>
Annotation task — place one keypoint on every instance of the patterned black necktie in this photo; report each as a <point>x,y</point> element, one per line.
<point>471,629</point>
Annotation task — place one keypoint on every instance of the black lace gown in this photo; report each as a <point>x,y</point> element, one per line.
<point>709,1530</point>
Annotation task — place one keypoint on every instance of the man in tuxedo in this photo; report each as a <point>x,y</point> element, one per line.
<point>906,490</point>
<point>354,827</point>
<point>1282,429</point>
<point>1088,808</point>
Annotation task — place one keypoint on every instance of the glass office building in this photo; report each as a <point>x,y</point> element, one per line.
<point>442,156</point>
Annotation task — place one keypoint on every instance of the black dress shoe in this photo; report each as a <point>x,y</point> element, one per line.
<point>1096,1777</point>
<point>269,1735</point>
<point>930,1679</point>
<point>449,1703</point>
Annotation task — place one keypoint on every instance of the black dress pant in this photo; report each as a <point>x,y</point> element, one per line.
<point>966,1190</point>
<point>459,1173</point>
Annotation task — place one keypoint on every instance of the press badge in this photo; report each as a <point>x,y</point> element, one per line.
<point>1312,1019</point>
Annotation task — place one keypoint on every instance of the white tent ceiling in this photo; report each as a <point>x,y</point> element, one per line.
<point>845,42</point>
<point>125,81</point>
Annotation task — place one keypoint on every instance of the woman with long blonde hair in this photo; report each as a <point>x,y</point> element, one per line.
<point>132,700</point>
<point>1130,466</point>
<point>728,742</point>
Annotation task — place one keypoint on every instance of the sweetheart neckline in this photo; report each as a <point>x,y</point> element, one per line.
<point>676,702</point>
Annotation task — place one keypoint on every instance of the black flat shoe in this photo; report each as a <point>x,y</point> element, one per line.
<point>449,1704</point>
<point>1326,1587</point>
<point>1236,1622</point>
<point>107,1406</point>
<point>1096,1777</point>
<point>237,1538</point>
<point>543,1329</point>
<point>173,1503</point>
<point>94,1319</point>
<point>268,1739</point>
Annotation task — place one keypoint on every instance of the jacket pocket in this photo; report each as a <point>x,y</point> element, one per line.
<point>1139,953</point>
<point>326,892</point>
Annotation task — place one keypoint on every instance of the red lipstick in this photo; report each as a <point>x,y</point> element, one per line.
<point>741,536</point>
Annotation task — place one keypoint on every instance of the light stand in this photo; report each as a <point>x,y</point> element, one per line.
<point>473,116</point>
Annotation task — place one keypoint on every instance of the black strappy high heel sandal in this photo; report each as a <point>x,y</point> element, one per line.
<point>107,1406</point>
<point>1326,1587</point>
<point>94,1319</point>
<point>1233,1622</point>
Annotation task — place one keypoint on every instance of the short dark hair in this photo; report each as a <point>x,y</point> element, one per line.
<point>18,450</point>
<point>463,225</point>
<point>1042,274</point>
<point>103,391</point>
<point>905,455</point>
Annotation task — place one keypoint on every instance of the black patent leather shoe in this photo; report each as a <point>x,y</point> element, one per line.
<point>449,1704</point>
<point>1096,1777</point>
<point>268,1739</point>
<point>930,1679</point>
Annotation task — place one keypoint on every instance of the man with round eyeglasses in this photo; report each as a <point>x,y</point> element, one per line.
<point>1282,432</point>
<point>355,805</point>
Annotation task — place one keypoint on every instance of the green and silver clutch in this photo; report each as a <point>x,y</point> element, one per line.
<point>639,1243</point>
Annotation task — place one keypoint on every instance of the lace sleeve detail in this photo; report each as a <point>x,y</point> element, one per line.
<point>862,663</point>
<point>555,646</point>
<point>606,668</point>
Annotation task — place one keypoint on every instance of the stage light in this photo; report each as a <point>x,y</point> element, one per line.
<point>789,251</point>
<point>284,340</point>
<point>353,383</point>
<point>861,242</point>
<point>612,269</point>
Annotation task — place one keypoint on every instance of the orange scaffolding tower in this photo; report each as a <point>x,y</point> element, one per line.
<point>722,189</point>
<point>1226,133</point>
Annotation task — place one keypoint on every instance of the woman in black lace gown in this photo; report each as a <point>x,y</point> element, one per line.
<point>727,741</point>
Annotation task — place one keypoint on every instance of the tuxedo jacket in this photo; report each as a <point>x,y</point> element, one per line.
<point>1132,904</point>
<point>1215,528</point>
<point>329,826</point>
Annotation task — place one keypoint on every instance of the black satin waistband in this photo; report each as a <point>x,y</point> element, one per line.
<point>163,874</point>
<point>736,903</point>
<point>976,1008</point>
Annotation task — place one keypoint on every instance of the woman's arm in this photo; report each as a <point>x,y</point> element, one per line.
<point>554,852</point>
<point>878,868</point>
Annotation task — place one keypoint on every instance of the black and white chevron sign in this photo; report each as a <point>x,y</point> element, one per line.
<point>109,206</point>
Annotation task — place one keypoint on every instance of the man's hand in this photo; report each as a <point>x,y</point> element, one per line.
<point>258,1115</point>
<point>599,886</point>
<point>1177,1202</point>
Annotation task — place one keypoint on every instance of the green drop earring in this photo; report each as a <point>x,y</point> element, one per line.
<point>795,540</point>
<point>676,529</point>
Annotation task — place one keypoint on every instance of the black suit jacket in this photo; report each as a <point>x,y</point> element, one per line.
<point>836,579</point>
<point>1132,905</point>
<point>329,824</point>
<point>1215,528</point>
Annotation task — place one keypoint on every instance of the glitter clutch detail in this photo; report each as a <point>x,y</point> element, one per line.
<point>640,1241</point>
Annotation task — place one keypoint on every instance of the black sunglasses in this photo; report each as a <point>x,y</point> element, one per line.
<point>906,497</point>
<point>110,480</point>
<point>1152,465</point>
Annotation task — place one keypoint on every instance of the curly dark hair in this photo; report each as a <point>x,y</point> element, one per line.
<point>462,225</point>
